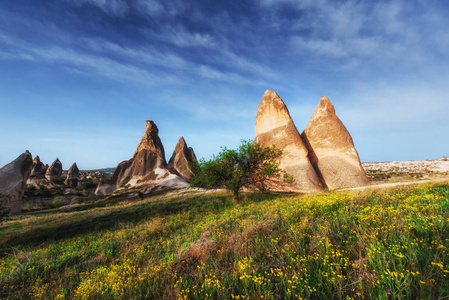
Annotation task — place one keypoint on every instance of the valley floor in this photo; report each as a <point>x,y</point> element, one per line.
<point>376,243</point>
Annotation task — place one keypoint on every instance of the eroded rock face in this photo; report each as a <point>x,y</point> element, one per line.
<point>182,156</point>
<point>149,156</point>
<point>38,169</point>
<point>13,178</point>
<point>331,149</point>
<point>54,172</point>
<point>274,125</point>
<point>104,188</point>
<point>72,176</point>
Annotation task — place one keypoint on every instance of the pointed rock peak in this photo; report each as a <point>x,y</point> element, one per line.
<point>182,156</point>
<point>181,143</point>
<point>324,107</point>
<point>270,94</point>
<point>38,167</point>
<point>73,169</point>
<point>274,126</point>
<point>272,98</point>
<point>55,169</point>
<point>271,113</point>
<point>192,154</point>
<point>72,176</point>
<point>151,127</point>
<point>151,141</point>
<point>331,149</point>
<point>149,156</point>
<point>56,162</point>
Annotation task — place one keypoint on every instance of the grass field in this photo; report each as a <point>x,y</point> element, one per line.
<point>381,244</point>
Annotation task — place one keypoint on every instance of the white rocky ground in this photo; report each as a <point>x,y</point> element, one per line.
<point>163,180</point>
<point>439,165</point>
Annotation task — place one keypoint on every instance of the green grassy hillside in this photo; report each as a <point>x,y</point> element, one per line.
<point>384,244</point>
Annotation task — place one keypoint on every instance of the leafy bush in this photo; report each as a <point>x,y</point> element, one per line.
<point>251,165</point>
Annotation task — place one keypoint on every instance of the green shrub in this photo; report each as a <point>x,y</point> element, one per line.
<point>251,165</point>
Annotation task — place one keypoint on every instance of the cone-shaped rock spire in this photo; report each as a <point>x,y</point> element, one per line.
<point>331,149</point>
<point>182,156</point>
<point>148,156</point>
<point>72,176</point>
<point>38,169</point>
<point>54,172</point>
<point>274,126</point>
<point>73,171</point>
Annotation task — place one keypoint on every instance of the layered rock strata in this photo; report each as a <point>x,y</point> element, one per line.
<point>331,149</point>
<point>274,126</point>
<point>13,178</point>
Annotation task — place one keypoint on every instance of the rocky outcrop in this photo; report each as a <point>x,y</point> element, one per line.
<point>72,176</point>
<point>179,161</point>
<point>104,188</point>
<point>331,149</point>
<point>148,157</point>
<point>54,172</point>
<point>13,178</point>
<point>274,126</point>
<point>38,170</point>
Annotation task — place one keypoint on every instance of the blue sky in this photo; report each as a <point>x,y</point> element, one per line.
<point>78,78</point>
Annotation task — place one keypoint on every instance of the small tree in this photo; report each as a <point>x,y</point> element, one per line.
<point>251,165</point>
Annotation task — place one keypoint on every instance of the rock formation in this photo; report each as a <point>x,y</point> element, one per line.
<point>13,178</point>
<point>72,176</point>
<point>54,172</point>
<point>274,125</point>
<point>38,170</point>
<point>331,149</point>
<point>148,157</point>
<point>182,156</point>
<point>104,188</point>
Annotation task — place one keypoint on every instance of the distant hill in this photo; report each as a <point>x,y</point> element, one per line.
<point>104,170</point>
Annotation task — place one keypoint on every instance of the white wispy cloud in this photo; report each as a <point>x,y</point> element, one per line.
<point>111,7</point>
<point>366,30</point>
<point>145,54</point>
<point>84,63</point>
<point>179,36</point>
<point>149,7</point>
<point>134,65</point>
